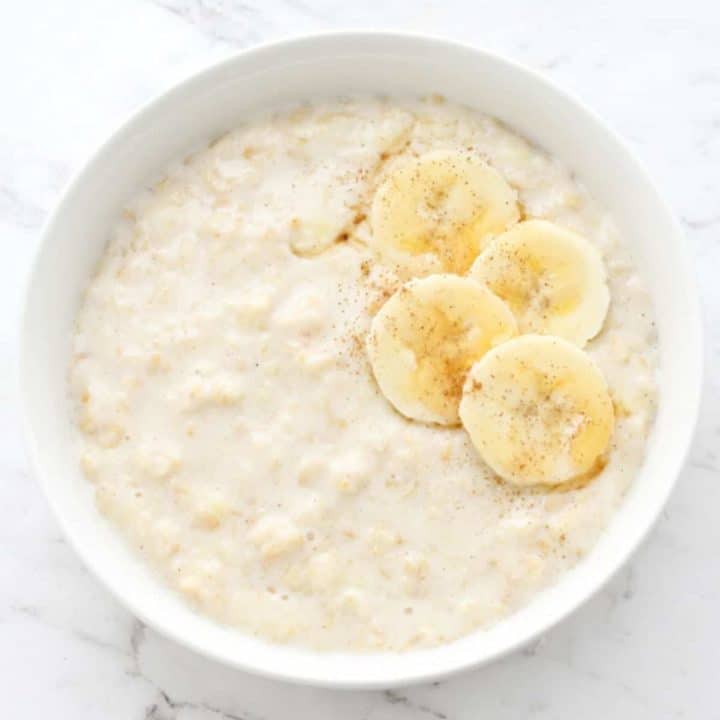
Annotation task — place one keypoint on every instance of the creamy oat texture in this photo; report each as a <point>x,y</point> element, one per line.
<point>230,422</point>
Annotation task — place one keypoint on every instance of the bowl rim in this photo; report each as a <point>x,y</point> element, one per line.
<point>300,675</point>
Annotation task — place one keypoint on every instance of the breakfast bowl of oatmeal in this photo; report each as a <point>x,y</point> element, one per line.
<point>359,359</point>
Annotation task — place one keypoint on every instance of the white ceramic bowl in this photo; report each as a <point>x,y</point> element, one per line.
<point>315,67</point>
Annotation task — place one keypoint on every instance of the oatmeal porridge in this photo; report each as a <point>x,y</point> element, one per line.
<point>364,375</point>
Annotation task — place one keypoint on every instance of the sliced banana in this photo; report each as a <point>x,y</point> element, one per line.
<point>443,206</point>
<point>552,278</point>
<point>425,338</point>
<point>538,410</point>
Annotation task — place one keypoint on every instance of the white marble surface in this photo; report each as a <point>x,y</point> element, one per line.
<point>648,647</point>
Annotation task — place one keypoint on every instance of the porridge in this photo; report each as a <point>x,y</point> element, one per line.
<point>364,375</point>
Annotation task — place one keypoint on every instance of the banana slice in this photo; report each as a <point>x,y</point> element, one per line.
<point>425,338</point>
<point>538,410</point>
<point>443,205</point>
<point>552,278</point>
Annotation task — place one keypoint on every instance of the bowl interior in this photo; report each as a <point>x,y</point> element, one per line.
<point>313,68</point>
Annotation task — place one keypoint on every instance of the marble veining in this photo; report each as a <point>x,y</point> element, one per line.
<point>646,647</point>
